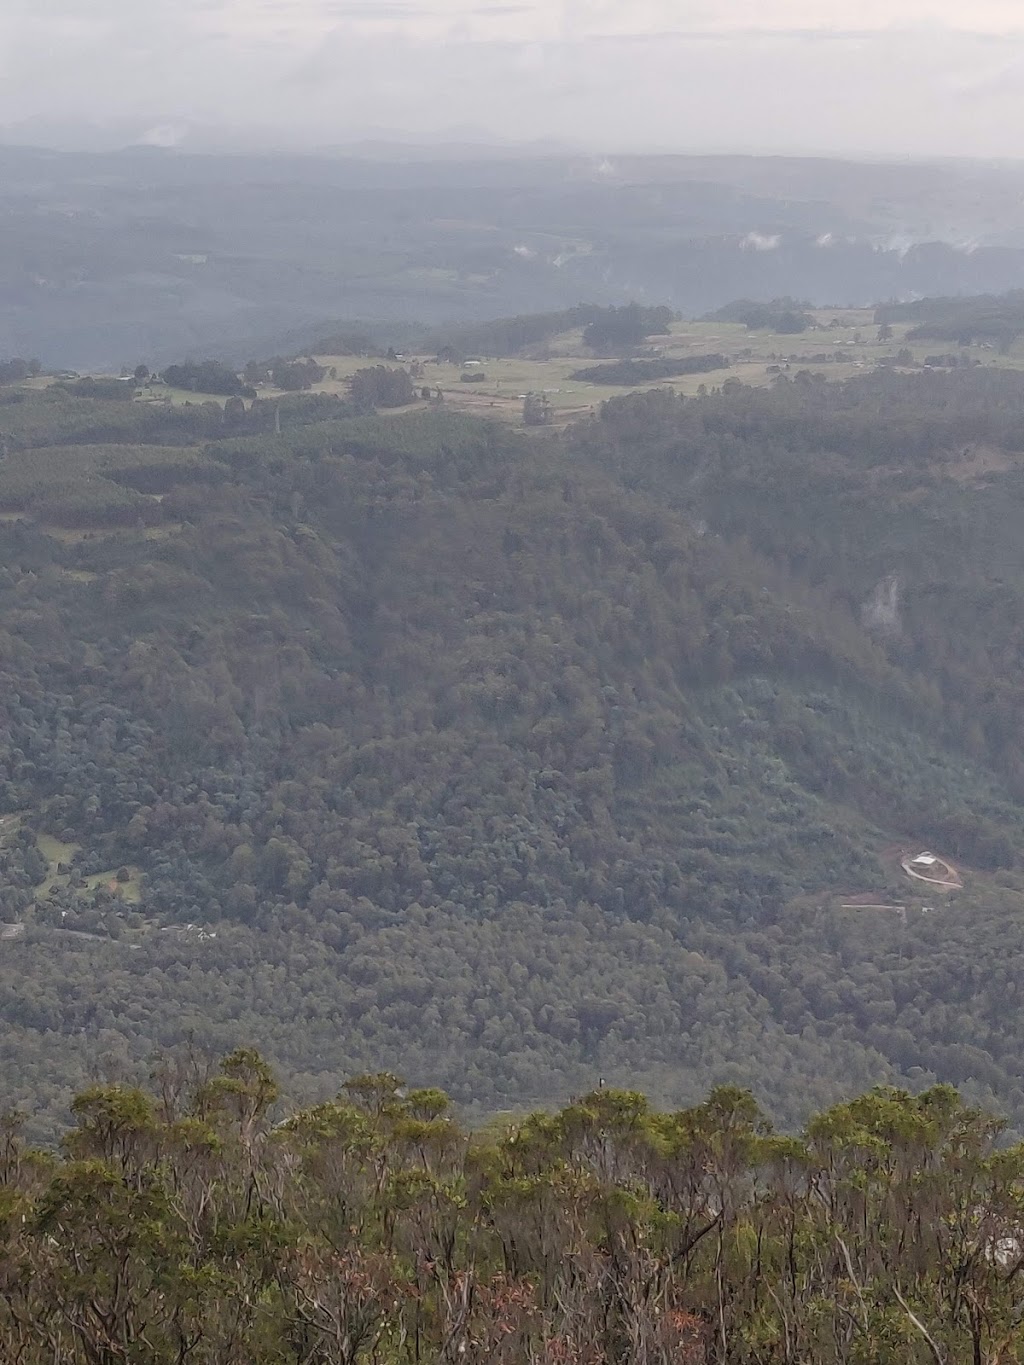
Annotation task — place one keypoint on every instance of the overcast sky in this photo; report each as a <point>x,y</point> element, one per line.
<point>890,77</point>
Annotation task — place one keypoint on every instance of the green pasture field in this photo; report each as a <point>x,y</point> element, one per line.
<point>847,338</point>
<point>178,398</point>
<point>751,354</point>
<point>57,852</point>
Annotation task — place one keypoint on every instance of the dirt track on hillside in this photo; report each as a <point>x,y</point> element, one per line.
<point>952,881</point>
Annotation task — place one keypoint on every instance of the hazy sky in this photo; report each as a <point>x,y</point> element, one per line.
<point>877,76</point>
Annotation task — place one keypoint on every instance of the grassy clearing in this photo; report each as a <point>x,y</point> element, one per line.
<point>57,853</point>
<point>167,531</point>
<point>10,824</point>
<point>129,891</point>
<point>178,398</point>
<point>68,535</point>
<point>55,850</point>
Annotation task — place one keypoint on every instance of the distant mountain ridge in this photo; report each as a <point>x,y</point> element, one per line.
<point>150,253</point>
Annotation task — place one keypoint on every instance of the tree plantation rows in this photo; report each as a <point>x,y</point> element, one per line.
<point>510,762</point>
<point>195,1222</point>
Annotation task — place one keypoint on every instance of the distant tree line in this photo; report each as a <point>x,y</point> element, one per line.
<point>17,370</point>
<point>611,326</point>
<point>629,372</point>
<point>616,330</point>
<point>457,342</point>
<point>103,387</point>
<point>348,343</point>
<point>293,376</point>
<point>207,376</point>
<point>381,386</point>
<point>787,316</point>
<point>997,319</point>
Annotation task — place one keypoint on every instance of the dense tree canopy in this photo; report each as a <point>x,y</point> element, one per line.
<point>510,762</point>
<point>630,373</point>
<point>994,318</point>
<point>381,386</point>
<point>617,330</point>
<point>206,376</point>
<point>780,315</point>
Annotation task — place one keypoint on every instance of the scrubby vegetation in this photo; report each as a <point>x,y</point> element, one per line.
<point>16,370</point>
<point>199,1225</point>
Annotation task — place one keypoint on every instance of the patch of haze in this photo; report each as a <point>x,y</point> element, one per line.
<point>924,77</point>
<point>164,135</point>
<point>759,241</point>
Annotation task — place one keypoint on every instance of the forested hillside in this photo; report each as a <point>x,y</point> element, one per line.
<point>513,763</point>
<point>199,1224</point>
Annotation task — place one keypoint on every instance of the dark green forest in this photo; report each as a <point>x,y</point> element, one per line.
<point>511,761</point>
<point>997,319</point>
<point>645,371</point>
<point>199,1222</point>
<point>780,315</point>
<point>604,328</point>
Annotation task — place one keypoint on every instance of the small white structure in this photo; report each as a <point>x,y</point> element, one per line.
<point>924,860</point>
